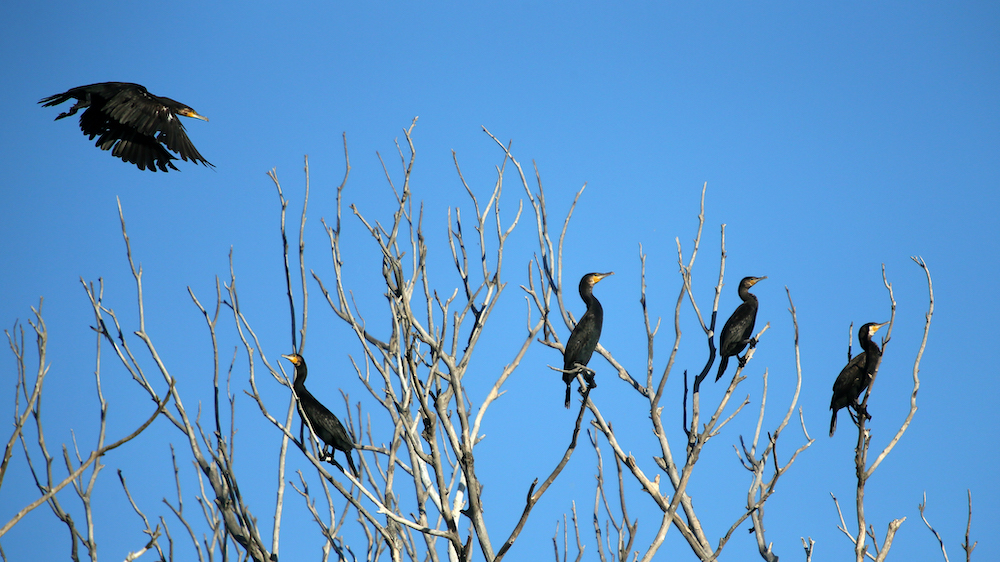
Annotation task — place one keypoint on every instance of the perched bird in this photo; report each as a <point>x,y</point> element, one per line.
<point>586,334</point>
<point>738,331</point>
<point>857,375</point>
<point>326,425</point>
<point>132,123</point>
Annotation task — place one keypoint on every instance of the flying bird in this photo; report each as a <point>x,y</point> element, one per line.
<point>132,123</point>
<point>738,331</point>
<point>586,333</point>
<point>326,425</point>
<point>857,375</point>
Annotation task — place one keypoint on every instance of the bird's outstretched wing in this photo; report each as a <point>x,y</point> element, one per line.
<point>155,117</point>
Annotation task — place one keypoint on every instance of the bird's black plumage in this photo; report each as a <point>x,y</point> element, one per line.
<point>326,425</point>
<point>855,377</point>
<point>738,331</point>
<point>586,333</point>
<point>132,123</point>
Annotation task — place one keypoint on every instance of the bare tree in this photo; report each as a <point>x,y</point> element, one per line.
<point>968,527</point>
<point>865,471</point>
<point>418,494</point>
<point>47,478</point>
<point>676,506</point>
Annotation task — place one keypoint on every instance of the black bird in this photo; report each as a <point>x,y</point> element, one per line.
<point>586,334</point>
<point>855,377</point>
<point>132,123</point>
<point>738,331</point>
<point>326,425</point>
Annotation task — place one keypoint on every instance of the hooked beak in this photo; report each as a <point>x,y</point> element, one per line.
<point>600,276</point>
<point>192,113</point>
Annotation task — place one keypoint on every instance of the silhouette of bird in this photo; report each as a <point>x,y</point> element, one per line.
<point>326,425</point>
<point>856,376</point>
<point>738,331</point>
<point>586,333</point>
<point>132,123</point>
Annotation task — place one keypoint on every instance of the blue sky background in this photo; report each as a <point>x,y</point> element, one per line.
<point>834,139</point>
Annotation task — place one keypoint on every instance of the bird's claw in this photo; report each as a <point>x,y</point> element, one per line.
<point>861,411</point>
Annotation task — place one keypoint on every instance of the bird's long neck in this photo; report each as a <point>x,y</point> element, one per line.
<point>300,379</point>
<point>868,345</point>
<point>587,294</point>
<point>747,296</point>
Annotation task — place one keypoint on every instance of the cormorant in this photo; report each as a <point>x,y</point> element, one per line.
<point>586,334</point>
<point>132,123</point>
<point>855,377</point>
<point>738,331</point>
<point>326,425</point>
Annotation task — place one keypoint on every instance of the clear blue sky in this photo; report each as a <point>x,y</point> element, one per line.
<point>833,139</point>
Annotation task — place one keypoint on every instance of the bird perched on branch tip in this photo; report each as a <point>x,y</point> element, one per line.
<point>855,377</point>
<point>587,332</point>
<point>738,331</point>
<point>324,423</point>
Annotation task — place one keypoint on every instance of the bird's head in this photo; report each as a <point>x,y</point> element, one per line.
<point>588,281</point>
<point>300,367</point>
<point>871,327</point>
<point>295,359</point>
<point>751,281</point>
<point>595,278</point>
<point>188,112</point>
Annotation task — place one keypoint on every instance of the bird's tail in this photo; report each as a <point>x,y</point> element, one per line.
<point>55,100</point>
<point>568,396</point>
<point>833,423</point>
<point>723,361</point>
<point>60,98</point>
